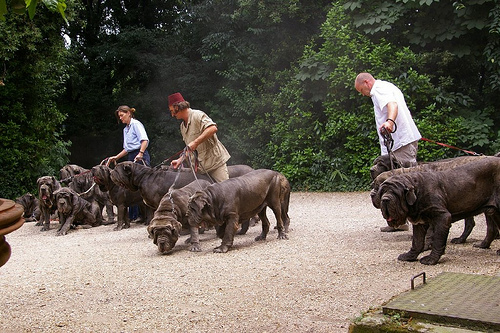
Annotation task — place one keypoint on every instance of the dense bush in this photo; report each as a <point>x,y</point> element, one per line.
<point>34,69</point>
<point>324,137</point>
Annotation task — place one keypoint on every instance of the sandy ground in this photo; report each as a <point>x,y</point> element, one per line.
<point>336,265</point>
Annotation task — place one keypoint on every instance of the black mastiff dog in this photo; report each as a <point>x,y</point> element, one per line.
<point>440,165</point>
<point>47,185</point>
<point>440,198</point>
<point>171,216</point>
<point>154,183</point>
<point>31,206</point>
<point>237,199</point>
<point>74,210</point>
<point>120,197</point>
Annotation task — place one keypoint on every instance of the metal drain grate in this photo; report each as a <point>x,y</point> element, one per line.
<point>452,298</point>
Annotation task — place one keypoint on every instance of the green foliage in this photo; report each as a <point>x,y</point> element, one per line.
<point>248,44</point>
<point>432,20</point>
<point>276,76</point>
<point>21,6</point>
<point>439,125</point>
<point>326,139</point>
<point>32,55</point>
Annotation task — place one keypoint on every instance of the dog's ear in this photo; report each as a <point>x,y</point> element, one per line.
<point>56,193</point>
<point>106,171</point>
<point>152,235</point>
<point>177,228</point>
<point>198,200</point>
<point>56,184</point>
<point>410,195</point>
<point>207,208</point>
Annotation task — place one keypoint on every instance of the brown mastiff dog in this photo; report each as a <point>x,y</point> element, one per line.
<point>31,207</point>
<point>171,216</point>
<point>441,165</point>
<point>154,183</point>
<point>74,210</point>
<point>240,198</point>
<point>83,184</point>
<point>47,185</point>
<point>381,164</point>
<point>120,197</point>
<point>69,171</point>
<point>440,198</point>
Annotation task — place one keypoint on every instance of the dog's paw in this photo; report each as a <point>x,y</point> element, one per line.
<point>482,245</point>
<point>408,256</point>
<point>221,249</point>
<point>429,260</point>
<point>195,248</point>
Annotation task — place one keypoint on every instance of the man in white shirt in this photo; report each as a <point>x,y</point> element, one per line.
<point>393,116</point>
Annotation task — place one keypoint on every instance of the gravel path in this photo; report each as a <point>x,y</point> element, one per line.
<point>336,265</point>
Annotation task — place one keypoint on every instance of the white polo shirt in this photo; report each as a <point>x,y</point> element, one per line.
<point>407,132</point>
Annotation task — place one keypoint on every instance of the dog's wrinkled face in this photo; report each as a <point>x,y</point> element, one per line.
<point>28,201</point>
<point>70,170</point>
<point>164,236</point>
<point>375,171</point>
<point>81,183</point>
<point>64,199</point>
<point>375,196</point>
<point>46,187</point>
<point>382,164</point>
<point>122,175</point>
<point>101,174</point>
<point>393,202</point>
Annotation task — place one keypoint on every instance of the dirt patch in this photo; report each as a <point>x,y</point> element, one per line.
<point>336,265</point>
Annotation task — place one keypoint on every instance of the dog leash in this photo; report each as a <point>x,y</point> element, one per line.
<point>193,164</point>
<point>90,189</point>
<point>452,147</point>
<point>70,179</point>
<point>197,164</point>
<point>389,143</point>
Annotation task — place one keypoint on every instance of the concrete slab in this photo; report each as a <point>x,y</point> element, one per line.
<point>466,300</point>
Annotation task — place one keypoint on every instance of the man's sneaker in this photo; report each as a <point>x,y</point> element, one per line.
<point>136,220</point>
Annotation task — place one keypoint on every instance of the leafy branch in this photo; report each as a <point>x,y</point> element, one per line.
<point>21,6</point>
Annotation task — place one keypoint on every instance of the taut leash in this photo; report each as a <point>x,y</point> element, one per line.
<point>452,147</point>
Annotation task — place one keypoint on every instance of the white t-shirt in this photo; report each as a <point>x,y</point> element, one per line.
<point>407,132</point>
